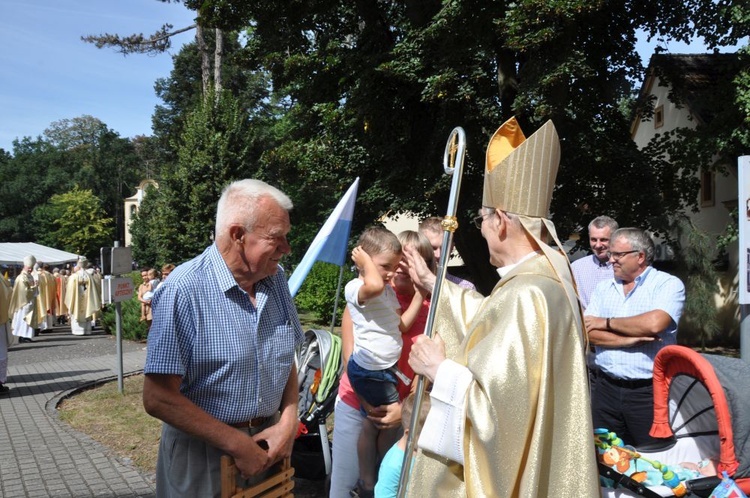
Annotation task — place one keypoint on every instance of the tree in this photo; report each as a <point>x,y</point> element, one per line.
<point>100,160</point>
<point>160,42</point>
<point>74,221</point>
<point>211,153</point>
<point>36,171</point>
<point>373,89</point>
<point>376,87</point>
<point>182,91</point>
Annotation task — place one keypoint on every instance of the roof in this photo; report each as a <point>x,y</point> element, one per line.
<point>694,78</point>
<point>12,253</point>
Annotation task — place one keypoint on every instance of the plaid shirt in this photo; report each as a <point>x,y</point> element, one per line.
<point>234,359</point>
<point>653,290</point>
<point>588,272</point>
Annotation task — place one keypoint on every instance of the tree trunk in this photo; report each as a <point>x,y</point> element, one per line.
<point>205,66</point>
<point>218,53</point>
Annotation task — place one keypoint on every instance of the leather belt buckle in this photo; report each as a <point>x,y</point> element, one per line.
<point>251,424</point>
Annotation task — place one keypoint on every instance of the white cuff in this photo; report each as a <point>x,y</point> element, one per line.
<point>443,431</point>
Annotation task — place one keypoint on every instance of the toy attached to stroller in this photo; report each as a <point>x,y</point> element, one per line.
<point>702,413</point>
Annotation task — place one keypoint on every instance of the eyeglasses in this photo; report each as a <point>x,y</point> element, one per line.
<point>479,219</point>
<point>617,256</point>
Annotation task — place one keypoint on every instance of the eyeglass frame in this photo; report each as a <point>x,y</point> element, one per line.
<point>617,256</point>
<point>479,219</point>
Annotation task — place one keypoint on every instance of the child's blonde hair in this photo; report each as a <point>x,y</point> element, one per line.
<point>376,240</point>
<point>421,243</point>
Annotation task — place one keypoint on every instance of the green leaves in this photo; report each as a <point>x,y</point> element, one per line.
<point>75,222</point>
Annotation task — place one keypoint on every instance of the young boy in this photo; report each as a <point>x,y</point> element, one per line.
<point>393,461</point>
<point>377,326</point>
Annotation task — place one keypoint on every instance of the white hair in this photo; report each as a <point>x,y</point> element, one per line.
<point>239,201</point>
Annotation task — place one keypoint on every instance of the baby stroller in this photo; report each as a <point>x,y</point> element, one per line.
<point>702,410</point>
<point>319,367</point>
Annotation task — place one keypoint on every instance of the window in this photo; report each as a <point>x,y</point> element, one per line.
<point>707,189</point>
<point>659,117</point>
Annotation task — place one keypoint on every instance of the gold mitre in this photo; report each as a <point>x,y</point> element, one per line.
<point>520,173</point>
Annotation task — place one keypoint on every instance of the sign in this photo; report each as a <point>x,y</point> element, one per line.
<point>116,260</point>
<point>743,223</point>
<point>117,289</point>
<point>122,260</point>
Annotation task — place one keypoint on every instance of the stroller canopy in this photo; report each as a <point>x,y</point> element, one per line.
<point>697,395</point>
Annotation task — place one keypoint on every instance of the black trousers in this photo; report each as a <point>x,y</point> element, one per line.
<point>626,409</point>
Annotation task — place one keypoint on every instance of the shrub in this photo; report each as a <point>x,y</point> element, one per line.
<point>318,292</point>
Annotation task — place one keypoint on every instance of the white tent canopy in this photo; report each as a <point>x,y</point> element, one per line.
<point>12,253</point>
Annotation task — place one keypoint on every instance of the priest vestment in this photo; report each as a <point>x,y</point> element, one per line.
<point>23,309</point>
<point>527,412</point>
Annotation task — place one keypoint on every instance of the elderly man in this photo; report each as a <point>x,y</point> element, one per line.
<point>509,409</point>
<point>629,319</point>
<point>23,304</point>
<point>220,367</point>
<point>590,270</point>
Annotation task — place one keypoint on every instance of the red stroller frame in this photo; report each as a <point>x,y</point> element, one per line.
<point>702,409</point>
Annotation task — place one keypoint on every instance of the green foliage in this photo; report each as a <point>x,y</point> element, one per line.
<point>731,232</point>
<point>145,243</point>
<point>74,221</point>
<point>80,151</point>
<point>132,328</point>
<point>701,285</point>
<point>212,152</point>
<point>318,292</point>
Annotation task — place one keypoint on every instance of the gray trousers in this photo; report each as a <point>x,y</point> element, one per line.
<point>188,467</point>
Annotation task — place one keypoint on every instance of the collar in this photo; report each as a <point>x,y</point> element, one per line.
<point>504,270</point>
<point>639,279</point>
<point>599,262</point>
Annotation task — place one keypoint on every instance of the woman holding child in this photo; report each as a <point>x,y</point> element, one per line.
<point>385,418</point>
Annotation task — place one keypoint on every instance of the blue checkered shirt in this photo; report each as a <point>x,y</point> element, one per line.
<point>588,272</point>
<point>234,359</point>
<point>653,290</point>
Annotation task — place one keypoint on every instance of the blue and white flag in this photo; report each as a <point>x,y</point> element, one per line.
<point>331,242</point>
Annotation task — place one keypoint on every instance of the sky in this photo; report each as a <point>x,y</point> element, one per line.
<point>49,74</point>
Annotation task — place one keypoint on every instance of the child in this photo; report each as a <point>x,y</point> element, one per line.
<point>153,283</point>
<point>377,327</point>
<point>146,293</point>
<point>390,467</point>
<point>404,287</point>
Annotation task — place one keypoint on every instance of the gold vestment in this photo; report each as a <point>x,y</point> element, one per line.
<point>83,296</point>
<point>528,430</point>
<point>24,292</point>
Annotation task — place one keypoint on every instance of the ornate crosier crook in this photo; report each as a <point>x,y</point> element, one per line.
<point>453,161</point>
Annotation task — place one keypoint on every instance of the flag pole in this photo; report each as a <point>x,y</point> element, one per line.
<point>336,302</point>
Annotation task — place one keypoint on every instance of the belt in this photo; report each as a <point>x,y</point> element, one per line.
<point>256,422</point>
<point>627,383</point>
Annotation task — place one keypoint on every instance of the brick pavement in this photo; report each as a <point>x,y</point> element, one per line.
<point>40,456</point>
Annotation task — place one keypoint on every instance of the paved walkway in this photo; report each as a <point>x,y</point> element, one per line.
<point>40,456</point>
